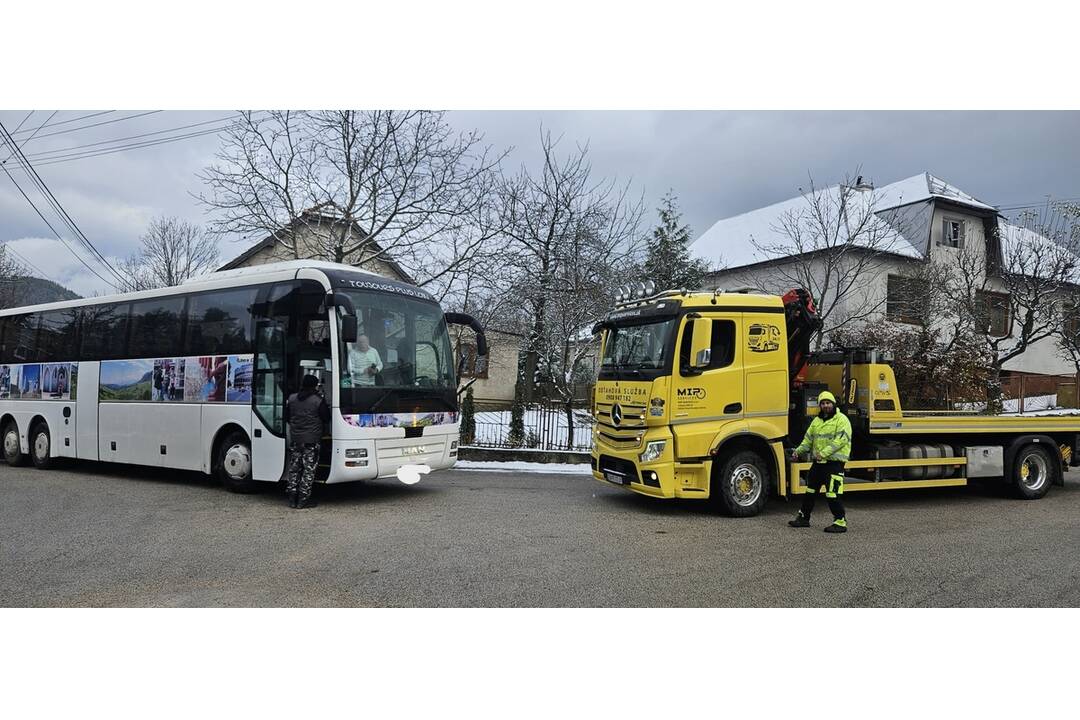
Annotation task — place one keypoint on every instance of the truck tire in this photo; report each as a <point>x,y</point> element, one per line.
<point>740,483</point>
<point>1033,470</point>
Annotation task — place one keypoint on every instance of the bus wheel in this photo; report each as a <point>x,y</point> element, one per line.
<point>13,453</point>
<point>234,463</point>
<point>1033,472</point>
<point>39,446</point>
<point>740,483</point>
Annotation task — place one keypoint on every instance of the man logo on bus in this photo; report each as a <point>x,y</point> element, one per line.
<point>763,338</point>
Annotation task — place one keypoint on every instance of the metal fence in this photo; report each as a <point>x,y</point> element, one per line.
<point>546,427</point>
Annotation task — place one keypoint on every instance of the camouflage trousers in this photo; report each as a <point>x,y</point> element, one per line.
<point>303,458</point>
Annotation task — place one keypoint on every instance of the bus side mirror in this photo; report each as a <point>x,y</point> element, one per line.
<point>701,343</point>
<point>348,328</point>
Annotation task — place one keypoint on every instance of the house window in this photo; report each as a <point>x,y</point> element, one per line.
<point>1071,327</point>
<point>471,365</point>
<point>902,300</point>
<point>993,309</point>
<point>952,232</point>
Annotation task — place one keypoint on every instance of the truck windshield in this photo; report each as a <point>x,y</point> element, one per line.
<point>633,350</point>
<point>401,361</point>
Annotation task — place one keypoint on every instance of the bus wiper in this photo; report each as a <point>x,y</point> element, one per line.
<point>386,394</point>
<point>435,396</point>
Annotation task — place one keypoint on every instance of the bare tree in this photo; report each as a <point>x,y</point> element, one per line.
<point>1018,299</point>
<point>567,233</point>
<point>12,275</point>
<point>170,251</point>
<point>829,244</point>
<point>398,185</point>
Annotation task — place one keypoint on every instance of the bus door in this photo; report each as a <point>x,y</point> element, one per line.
<point>268,386</point>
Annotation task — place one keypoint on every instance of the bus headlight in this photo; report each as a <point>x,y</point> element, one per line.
<point>653,450</point>
<point>352,453</point>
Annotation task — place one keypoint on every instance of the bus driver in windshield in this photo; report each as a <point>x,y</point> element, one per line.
<point>364,362</point>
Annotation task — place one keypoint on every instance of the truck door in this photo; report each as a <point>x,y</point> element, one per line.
<point>704,399</point>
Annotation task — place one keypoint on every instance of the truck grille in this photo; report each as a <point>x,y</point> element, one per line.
<point>633,416</point>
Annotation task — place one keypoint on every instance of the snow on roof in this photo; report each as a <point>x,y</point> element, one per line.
<point>732,240</point>
<point>1032,252</point>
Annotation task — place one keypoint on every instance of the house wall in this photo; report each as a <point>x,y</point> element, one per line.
<point>312,244</point>
<point>498,387</point>
<point>1042,357</point>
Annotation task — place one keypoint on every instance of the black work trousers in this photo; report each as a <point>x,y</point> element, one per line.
<point>830,476</point>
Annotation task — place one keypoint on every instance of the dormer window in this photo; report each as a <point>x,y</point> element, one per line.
<point>952,233</point>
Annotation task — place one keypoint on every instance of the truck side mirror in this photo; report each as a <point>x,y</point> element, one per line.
<point>348,328</point>
<point>701,343</point>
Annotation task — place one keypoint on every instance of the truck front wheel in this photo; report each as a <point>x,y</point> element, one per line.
<point>740,483</point>
<point>1033,471</point>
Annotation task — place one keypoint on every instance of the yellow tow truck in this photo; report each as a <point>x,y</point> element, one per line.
<point>700,394</point>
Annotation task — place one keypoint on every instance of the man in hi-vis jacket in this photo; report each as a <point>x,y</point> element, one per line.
<point>828,440</point>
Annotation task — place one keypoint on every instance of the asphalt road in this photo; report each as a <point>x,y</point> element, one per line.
<point>105,535</point>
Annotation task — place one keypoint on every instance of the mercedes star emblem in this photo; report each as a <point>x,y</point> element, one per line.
<point>616,414</point>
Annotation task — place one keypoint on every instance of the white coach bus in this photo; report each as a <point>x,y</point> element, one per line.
<point>195,377</point>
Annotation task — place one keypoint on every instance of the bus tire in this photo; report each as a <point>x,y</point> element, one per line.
<point>740,483</point>
<point>1033,471</point>
<point>40,446</point>
<point>13,454</point>
<point>233,463</point>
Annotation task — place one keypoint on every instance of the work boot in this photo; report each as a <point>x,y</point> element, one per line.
<point>308,502</point>
<point>799,521</point>
<point>838,526</point>
<point>292,499</point>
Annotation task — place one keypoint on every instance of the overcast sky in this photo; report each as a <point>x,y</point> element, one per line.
<point>718,163</point>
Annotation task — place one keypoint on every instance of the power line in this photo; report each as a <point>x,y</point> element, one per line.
<point>28,116</point>
<point>99,124</point>
<point>125,148</point>
<point>65,122</point>
<point>23,258</point>
<point>58,237</point>
<point>43,153</point>
<point>23,143</point>
<point>1040,203</point>
<point>55,203</point>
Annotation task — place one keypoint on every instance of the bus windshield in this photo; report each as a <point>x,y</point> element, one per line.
<point>401,360</point>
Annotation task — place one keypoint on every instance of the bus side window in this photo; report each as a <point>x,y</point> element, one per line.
<point>219,322</point>
<point>23,341</point>
<point>57,337</point>
<point>155,327</point>
<point>104,331</point>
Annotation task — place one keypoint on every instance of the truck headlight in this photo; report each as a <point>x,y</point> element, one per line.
<point>355,452</point>
<point>653,450</point>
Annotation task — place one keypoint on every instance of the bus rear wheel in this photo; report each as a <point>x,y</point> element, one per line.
<point>13,454</point>
<point>740,483</point>
<point>1033,471</point>
<point>234,463</point>
<point>40,446</point>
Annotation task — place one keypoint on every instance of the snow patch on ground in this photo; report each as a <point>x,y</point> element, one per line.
<point>517,466</point>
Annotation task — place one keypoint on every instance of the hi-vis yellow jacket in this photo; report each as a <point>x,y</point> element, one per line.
<point>830,439</point>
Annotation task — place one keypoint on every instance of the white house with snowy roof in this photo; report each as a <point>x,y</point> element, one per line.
<point>912,221</point>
